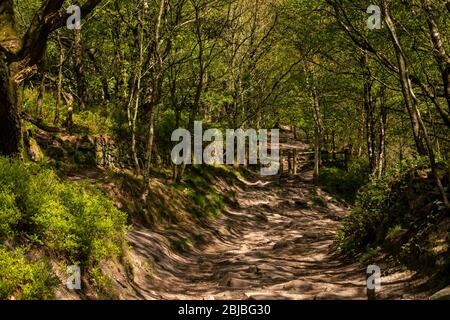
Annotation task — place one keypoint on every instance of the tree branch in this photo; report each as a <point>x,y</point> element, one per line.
<point>39,123</point>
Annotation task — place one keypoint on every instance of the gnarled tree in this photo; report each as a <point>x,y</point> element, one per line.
<point>19,55</point>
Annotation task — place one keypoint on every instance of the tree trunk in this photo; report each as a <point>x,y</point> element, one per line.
<point>10,126</point>
<point>411,102</point>
<point>60,82</point>
<point>103,79</point>
<point>369,109</point>
<point>405,81</point>
<point>68,98</point>
<point>382,138</point>
<point>155,92</point>
<point>40,99</point>
<point>79,70</point>
<point>318,135</point>
<point>317,156</point>
<point>18,57</point>
<point>333,144</point>
<point>441,56</point>
<point>150,144</point>
<point>295,162</point>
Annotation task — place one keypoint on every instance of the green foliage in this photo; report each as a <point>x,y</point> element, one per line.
<point>67,219</point>
<point>398,212</point>
<point>30,97</point>
<point>92,123</point>
<point>360,227</point>
<point>234,64</point>
<point>9,214</point>
<point>316,199</point>
<point>369,255</point>
<point>209,204</point>
<point>393,232</point>
<point>345,184</point>
<point>103,284</point>
<point>207,200</point>
<point>22,279</point>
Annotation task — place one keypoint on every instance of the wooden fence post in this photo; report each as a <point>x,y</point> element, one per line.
<point>294,162</point>
<point>290,167</point>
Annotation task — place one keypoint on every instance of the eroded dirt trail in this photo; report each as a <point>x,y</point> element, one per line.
<point>275,244</point>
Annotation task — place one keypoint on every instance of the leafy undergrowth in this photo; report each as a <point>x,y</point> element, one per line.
<point>200,186</point>
<point>86,122</point>
<point>68,222</point>
<point>48,221</point>
<point>179,210</point>
<point>401,214</point>
<point>203,193</point>
<point>342,184</point>
<point>24,279</point>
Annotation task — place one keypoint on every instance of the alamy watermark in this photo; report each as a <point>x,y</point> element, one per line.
<point>374,21</point>
<point>213,153</point>
<point>373,277</point>
<point>73,278</point>
<point>74,20</point>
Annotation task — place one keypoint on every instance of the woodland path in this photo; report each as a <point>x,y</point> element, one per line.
<point>272,246</point>
<point>276,243</point>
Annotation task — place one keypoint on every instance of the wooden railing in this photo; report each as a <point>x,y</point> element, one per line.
<point>292,159</point>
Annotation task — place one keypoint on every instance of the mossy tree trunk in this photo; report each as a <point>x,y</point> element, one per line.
<point>19,57</point>
<point>10,129</point>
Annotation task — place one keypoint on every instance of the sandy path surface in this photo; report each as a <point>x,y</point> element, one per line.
<point>278,242</point>
<point>275,244</point>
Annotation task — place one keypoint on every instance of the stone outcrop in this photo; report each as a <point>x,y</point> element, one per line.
<point>100,150</point>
